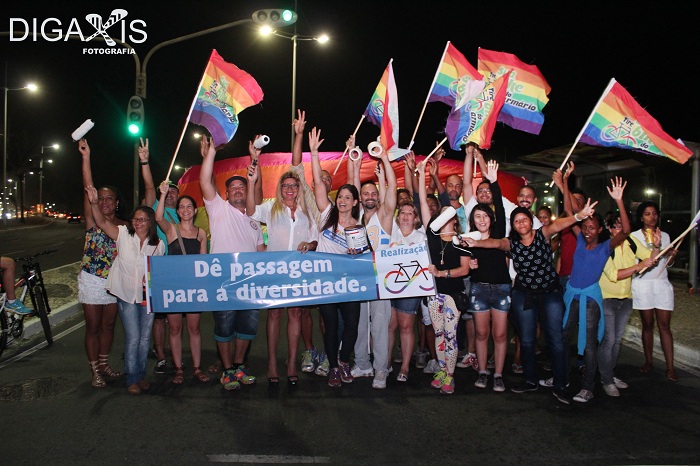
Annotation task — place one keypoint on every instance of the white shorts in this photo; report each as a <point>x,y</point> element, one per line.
<point>652,294</point>
<point>91,289</point>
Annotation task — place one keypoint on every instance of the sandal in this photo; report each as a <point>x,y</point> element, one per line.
<point>671,375</point>
<point>201,376</point>
<point>215,368</point>
<point>273,381</point>
<point>646,367</point>
<point>97,380</point>
<point>105,369</point>
<point>402,377</point>
<point>179,377</point>
<point>292,379</point>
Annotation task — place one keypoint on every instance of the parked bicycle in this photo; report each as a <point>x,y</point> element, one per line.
<point>30,283</point>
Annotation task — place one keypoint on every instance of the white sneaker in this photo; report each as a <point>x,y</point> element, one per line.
<point>611,390</point>
<point>584,396</point>
<point>469,360</point>
<point>548,383</point>
<point>422,360</point>
<point>432,367</point>
<point>357,372</point>
<point>619,383</point>
<point>379,380</point>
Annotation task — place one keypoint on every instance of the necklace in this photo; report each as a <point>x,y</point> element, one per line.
<point>442,253</point>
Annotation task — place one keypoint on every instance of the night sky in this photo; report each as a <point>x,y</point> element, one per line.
<point>578,46</point>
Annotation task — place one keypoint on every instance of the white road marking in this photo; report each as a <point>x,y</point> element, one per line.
<point>41,345</point>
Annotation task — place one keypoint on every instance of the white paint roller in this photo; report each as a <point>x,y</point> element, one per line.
<point>82,130</point>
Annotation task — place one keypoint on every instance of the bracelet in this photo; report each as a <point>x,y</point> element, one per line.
<point>579,219</point>
<point>144,163</point>
<point>448,273</point>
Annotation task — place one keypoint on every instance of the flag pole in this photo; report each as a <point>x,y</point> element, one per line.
<point>590,117</point>
<point>415,131</point>
<point>346,147</point>
<point>187,120</point>
<point>439,144</point>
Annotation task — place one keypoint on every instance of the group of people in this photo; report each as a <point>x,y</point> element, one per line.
<point>493,262</point>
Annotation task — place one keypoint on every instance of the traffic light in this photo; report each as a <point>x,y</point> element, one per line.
<point>135,115</point>
<point>273,17</point>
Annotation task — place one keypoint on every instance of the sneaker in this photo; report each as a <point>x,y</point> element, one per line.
<point>491,364</point>
<point>584,396</point>
<point>562,395</point>
<point>469,360</point>
<point>357,372</point>
<point>229,381</point>
<point>524,387</point>
<point>345,372</point>
<point>482,381</point>
<point>448,385</point>
<point>619,383</point>
<point>307,361</point>
<point>242,374</point>
<point>432,367</point>
<point>334,379</point>
<point>160,368</point>
<point>611,390</point>
<point>438,379</point>
<point>18,308</point>
<point>517,368</point>
<point>322,368</point>
<point>547,383</point>
<point>422,359</point>
<point>379,380</point>
<point>498,385</point>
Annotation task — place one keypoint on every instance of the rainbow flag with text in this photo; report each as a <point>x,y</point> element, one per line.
<point>224,92</point>
<point>452,75</point>
<point>383,110</point>
<point>619,121</point>
<point>527,90</point>
<point>475,121</point>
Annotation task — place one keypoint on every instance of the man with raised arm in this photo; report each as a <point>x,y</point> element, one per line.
<point>231,231</point>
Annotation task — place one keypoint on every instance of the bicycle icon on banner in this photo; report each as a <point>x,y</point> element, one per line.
<point>398,280</point>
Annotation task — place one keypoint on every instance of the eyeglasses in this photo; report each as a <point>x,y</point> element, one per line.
<point>139,219</point>
<point>290,186</point>
<point>483,191</point>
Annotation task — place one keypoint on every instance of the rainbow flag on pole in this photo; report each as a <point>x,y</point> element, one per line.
<point>619,121</point>
<point>452,75</point>
<point>224,92</point>
<point>476,120</point>
<point>527,90</point>
<point>383,111</point>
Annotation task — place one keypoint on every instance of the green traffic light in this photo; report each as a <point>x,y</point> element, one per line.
<point>134,128</point>
<point>287,15</point>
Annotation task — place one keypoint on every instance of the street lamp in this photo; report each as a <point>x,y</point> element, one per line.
<point>32,88</point>
<point>41,175</point>
<point>322,39</point>
<point>651,192</point>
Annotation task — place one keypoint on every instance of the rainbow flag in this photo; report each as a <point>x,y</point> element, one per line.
<point>527,90</point>
<point>452,75</point>
<point>383,111</point>
<point>476,120</point>
<point>619,121</point>
<point>224,92</point>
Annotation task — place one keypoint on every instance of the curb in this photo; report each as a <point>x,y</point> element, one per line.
<point>56,317</point>
<point>684,355</point>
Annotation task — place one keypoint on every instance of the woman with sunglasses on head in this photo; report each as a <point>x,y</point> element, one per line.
<point>127,282</point>
<point>194,241</point>
<point>290,227</point>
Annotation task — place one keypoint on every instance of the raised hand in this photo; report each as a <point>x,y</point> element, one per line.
<point>299,122</point>
<point>492,171</point>
<point>569,170</point>
<point>143,150</point>
<point>84,148</point>
<point>253,173</point>
<point>350,143</point>
<point>587,209</point>
<point>91,194</point>
<point>315,140</point>
<point>616,188</point>
<point>206,148</point>
<point>164,186</point>
<point>410,160</point>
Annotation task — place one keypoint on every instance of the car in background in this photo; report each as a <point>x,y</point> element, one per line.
<point>73,217</point>
<point>59,214</point>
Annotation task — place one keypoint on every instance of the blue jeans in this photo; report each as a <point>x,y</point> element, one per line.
<point>617,313</point>
<point>137,327</point>
<point>550,309</point>
<point>590,354</point>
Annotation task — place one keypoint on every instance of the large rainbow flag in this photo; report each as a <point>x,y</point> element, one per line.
<point>619,121</point>
<point>383,111</point>
<point>452,75</point>
<point>476,120</point>
<point>224,92</point>
<point>527,89</point>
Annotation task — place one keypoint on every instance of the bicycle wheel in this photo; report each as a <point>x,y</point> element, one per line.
<point>5,330</point>
<point>40,308</point>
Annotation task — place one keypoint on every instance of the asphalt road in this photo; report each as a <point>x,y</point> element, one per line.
<point>51,414</point>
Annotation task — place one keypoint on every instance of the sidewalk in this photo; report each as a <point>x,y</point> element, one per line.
<point>62,288</point>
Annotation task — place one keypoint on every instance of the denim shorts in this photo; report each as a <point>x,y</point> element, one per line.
<point>486,296</point>
<point>235,324</point>
<point>406,305</point>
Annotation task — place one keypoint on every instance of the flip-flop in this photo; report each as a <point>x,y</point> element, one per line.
<point>292,379</point>
<point>273,381</point>
<point>402,377</point>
